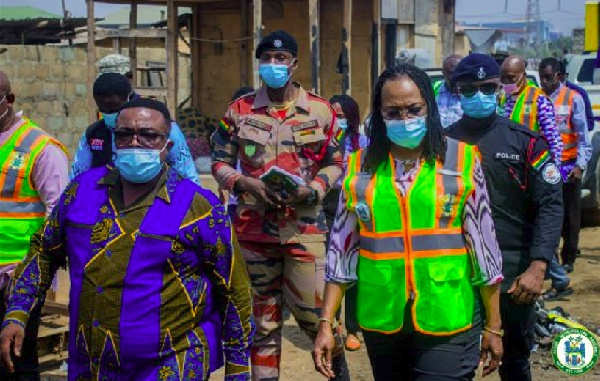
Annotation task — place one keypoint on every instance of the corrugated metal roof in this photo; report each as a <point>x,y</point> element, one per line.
<point>146,15</point>
<point>25,13</point>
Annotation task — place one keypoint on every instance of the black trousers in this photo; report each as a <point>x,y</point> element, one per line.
<point>412,356</point>
<point>518,323</point>
<point>350,311</point>
<point>26,367</point>
<point>571,221</point>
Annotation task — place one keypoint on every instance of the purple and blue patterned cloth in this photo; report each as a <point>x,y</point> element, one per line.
<point>159,289</point>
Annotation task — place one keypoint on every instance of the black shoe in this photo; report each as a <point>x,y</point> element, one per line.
<point>578,254</point>
<point>554,294</point>
<point>568,267</point>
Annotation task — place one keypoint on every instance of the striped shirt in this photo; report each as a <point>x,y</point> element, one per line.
<point>478,227</point>
<point>547,122</point>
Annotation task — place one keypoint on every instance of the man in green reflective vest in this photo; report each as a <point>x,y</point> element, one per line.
<point>33,174</point>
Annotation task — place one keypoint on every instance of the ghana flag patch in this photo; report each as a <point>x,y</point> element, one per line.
<point>225,125</point>
<point>542,159</point>
<point>339,135</point>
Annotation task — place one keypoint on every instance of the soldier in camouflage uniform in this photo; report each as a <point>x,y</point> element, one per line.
<point>282,234</point>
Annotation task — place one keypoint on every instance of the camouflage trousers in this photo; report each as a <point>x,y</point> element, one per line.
<point>294,274</point>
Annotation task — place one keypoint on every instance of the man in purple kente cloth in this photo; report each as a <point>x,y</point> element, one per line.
<point>159,289</point>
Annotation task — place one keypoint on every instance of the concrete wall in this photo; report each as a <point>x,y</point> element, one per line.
<point>50,85</point>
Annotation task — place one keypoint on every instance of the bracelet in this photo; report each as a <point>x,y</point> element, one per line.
<point>321,320</point>
<point>497,333</point>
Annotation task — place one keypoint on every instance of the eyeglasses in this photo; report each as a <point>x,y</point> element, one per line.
<point>412,111</point>
<point>470,90</point>
<point>147,138</point>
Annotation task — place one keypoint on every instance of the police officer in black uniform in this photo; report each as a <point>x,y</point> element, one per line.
<point>524,186</point>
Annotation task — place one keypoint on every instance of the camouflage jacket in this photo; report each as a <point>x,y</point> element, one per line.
<point>303,144</point>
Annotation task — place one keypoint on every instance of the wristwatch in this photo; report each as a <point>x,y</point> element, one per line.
<point>312,197</point>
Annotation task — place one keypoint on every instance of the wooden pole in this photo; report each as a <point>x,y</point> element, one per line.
<point>376,34</point>
<point>91,59</point>
<point>347,48</point>
<point>172,52</point>
<point>196,68</point>
<point>244,44</point>
<point>257,30</point>
<point>133,43</point>
<point>315,59</point>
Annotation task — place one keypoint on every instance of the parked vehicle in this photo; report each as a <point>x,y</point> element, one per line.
<point>581,72</point>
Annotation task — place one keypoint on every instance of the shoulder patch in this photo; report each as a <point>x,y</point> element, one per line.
<point>538,162</point>
<point>225,125</point>
<point>551,174</point>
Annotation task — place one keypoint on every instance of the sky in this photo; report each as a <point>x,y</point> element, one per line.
<point>568,16</point>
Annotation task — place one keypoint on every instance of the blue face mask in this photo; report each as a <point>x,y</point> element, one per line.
<point>139,165</point>
<point>110,119</point>
<point>274,75</point>
<point>407,133</point>
<point>479,105</point>
<point>343,123</point>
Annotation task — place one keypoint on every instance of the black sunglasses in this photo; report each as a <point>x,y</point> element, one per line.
<point>146,138</point>
<point>470,90</point>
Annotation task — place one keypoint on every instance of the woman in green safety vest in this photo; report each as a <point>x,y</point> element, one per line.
<point>414,230</point>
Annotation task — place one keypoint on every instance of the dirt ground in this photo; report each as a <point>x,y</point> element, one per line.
<point>584,305</point>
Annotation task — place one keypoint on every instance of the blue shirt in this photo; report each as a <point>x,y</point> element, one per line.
<point>589,114</point>
<point>448,106</point>
<point>179,158</point>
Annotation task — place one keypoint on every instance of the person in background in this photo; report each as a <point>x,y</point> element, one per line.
<point>282,234</point>
<point>33,173</point>
<point>446,97</point>
<point>572,124</point>
<point>414,230</point>
<point>563,76</point>
<point>96,146</point>
<point>232,201</point>
<point>348,118</point>
<point>526,202</point>
<point>158,284</point>
<point>527,105</point>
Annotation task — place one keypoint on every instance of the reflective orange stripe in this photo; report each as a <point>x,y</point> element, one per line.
<point>369,194</point>
<point>437,253</point>
<point>22,215</point>
<point>379,256</point>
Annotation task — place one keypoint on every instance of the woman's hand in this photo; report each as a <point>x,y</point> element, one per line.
<point>492,349</point>
<point>324,345</point>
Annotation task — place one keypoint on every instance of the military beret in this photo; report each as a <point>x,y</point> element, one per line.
<point>278,40</point>
<point>476,67</point>
<point>114,63</point>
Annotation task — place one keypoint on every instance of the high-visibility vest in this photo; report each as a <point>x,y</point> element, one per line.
<point>413,243</point>
<point>22,211</point>
<point>436,87</point>
<point>525,111</point>
<point>563,106</point>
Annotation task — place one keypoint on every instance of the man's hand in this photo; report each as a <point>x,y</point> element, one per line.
<point>528,286</point>
<point>576,173</point>
<point>324,345</point>
<point>298,196</point>
<point>259,190</point>
<point>11,339</point>
<point>491,346</point>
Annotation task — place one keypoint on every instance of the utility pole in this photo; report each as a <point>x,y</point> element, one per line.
<point>533,30</point>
